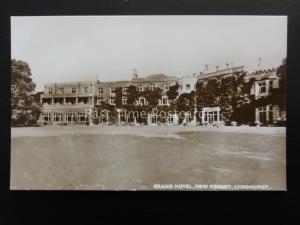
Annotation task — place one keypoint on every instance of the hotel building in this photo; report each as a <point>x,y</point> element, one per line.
<point>70,103</point>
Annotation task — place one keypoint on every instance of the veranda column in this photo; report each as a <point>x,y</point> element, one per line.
<point>267,113</point>
<point>257,116</point>
<point>107,117</point>
<point>52,101</point>
<point>76,100</point>
<point>119,117</point>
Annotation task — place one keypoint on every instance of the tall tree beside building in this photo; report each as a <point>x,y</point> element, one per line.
<point>207,93</point>
<point>23,106</point>
<point>280,93</point>
<point>231,95</point>
<point>186,103</point>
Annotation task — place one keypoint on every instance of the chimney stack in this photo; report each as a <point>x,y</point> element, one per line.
<point>135,75</point>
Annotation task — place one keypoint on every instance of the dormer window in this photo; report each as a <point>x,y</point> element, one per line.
<point>140,87</point>
<point>151,87</point>
<point>188,87</point>
<point>167,86</point>
<point>262,88</point>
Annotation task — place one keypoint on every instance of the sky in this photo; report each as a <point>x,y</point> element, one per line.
<point>108,48</point>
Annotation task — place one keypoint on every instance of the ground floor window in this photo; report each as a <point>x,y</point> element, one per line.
<point>265,114</point>
<point>82,117</point>
<point>57,117</point>
<point>170,118</point>
<point>153,118</point>
<point>70,117</point>
<point>211,115</point>
<point>46,117</point>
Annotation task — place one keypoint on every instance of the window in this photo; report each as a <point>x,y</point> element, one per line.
<point>112,101</point>
<point>61,90</point>
<point>50,91</point>
<point>188,87</point>
<point>112,90</point>
<point>99,101</point>
<point>125,90</point>
<point>170,118</point>
<point>181,86</point>
<point>142,101</point>
<point>164,101</point>
<point>262,88</point>
<point>47,117</point>
<point>70,117</point>
<point>86,89</point>
<point>151,87</point>
<point>100,91</point>
<point>167,86</point>
<point>124,100</point>
<point>82,117</point>
<point>262,114</point>
<point>271,83</point>
<point>153,118</point>
<point>140,87</point>
<point>73,90</point>
<point>57,117</point>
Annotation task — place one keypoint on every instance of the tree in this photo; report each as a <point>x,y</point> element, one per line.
<point>118,99</point>
<point>172,93</point>
<point>24,108</point>
<point>132,94</point>
<point>186,103</point>
<point>231,95</point>
<point>228,93</point>
<point>152,96</point>
<point>207,93</point>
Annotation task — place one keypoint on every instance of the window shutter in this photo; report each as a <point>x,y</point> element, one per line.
<point>275,83</point>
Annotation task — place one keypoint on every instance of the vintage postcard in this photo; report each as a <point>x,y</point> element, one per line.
<point>148,103</point>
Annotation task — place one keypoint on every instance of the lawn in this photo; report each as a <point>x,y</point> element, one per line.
<point>72,158</point>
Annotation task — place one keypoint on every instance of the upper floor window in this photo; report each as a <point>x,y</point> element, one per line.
<point>262,88</point>
<point>112,101</point>
<point>140,87</point>
<point>73,90</point>
<point>99,101</point>
<point>125,90</point>
<point>86,89</point>
<point>124,100</point>
<point>100,90</point>
<point>151,87</point>
<point>167,86</point>
<point>188,87</point>
<point>112,90</point>
<point>164,101</point>
<point>271,83</point>
<point>61,90</point>
<point>50,91</point>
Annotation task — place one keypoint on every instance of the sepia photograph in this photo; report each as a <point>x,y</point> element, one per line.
<point>158,103</point>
